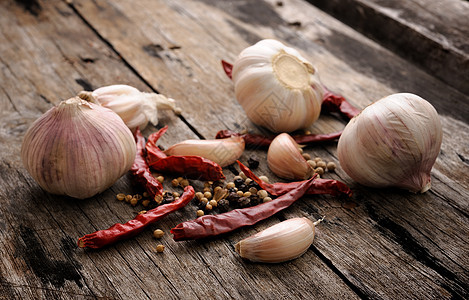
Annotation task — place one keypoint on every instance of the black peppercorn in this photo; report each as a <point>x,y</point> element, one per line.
<point>253,162</point>
<point>223,205</point>
<point>238,182</point>
<point>244,201</point>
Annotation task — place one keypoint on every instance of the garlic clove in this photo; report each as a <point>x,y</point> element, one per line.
<point>134,107</point>
<point>284,241</point>
<point>69,149</point>
<point>277,88</point>
<point>221,151</point>
<point>285,159</point>
<point>392,143</point>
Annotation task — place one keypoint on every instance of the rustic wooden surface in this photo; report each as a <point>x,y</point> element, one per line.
<point>386,244</point>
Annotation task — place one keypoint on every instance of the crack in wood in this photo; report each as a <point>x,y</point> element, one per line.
<point>411,246</point>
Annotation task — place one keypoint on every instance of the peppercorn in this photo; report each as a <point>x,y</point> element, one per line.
<point>240,193</point>
<point>247,194</point>
<point>208,195</point>
<point>242,175</point>
<point>311,163</point>
<point>233,198</point>
<point>204,201</point>
<point>158,233</point>
<point>184,183</point>
<point>128,198</point>
<point>306,156</point>
<point>253,190</point>
<point>253,162</point>
<point>179,179</point>
<point>160,248</point>
<point>145,195</point>
<point>331,166</point>
<point>254,199</point>
<point>213,203</point>
<point>262,194</point>
<point>145,203</point>
<point>238,181</point>
<point>160,179</point>
<point>244,201</point>
<point>199,195</point>
<point>232,190</point>
<point>266,199</point>
<point>174,182</point>
<point>248,181</point>
<point>176,195</point>
<point>208,207</point>
<point>120,196</point>
<point>200,213</point>
<point>321,164</point>
<point>243,187</point>
<point>319,170</point>
<point>264,178</point>
<point>230,185</point>
<point>133,201</point>
<point>316,159</point>
<point>223,205</point>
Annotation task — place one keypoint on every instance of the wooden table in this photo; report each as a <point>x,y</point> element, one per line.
<point>389,244</point>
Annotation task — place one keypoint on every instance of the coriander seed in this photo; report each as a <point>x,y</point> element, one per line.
<point>160,248</point>
<point>307,156</point>
<point>321,164</point>
<point>120,196</point>
<point>208,195</point>
<point>158,233</point>
<point>331,166</point>
<point>266,199</point>
<point>174,182</point>
<point>311,163</point>
<point>160,179</point>
<point>213,203</point>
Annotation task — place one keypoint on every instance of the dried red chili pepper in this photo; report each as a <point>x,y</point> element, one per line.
<point>319,185</point>
<point>212,225</point>
<point>120,231</point>
<point>336,103</point>
<point>330,102</point>
<point>141,171</point>
<point>191,166</point>
<point>257,140</point>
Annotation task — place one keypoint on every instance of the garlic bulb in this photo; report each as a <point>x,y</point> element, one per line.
<point>393,142</point>
<point>281,242</point>
<point>277,87</point>
<point>285,159</point>
<point>134,107</point>
<point>78,149</point>
<point>221,151</point>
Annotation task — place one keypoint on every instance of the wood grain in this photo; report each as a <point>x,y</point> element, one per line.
<point>384,244</point>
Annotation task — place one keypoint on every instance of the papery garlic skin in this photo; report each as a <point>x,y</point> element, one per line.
<point>281,242</point>
<point>285,159</point>
<point>221,151</point>
<point>78,149</point>
<point>392,143</point>
<point>277,88</point>
<point>134,107</point>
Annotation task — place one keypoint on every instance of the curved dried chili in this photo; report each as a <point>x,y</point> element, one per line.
<point>141,170</point>
<point>212,225</point>
<point>319,185</point>
<point>120,231</point>
<point>257,140</point>
<point>190,166</point>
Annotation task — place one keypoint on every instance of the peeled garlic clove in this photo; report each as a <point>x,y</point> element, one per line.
<point>281,242</point>
<point>78,149</point>
<point>221,151</point>
<point>392,143</point>
<point>134,107</point>
<point>285,159</point>
<point>277,88</point>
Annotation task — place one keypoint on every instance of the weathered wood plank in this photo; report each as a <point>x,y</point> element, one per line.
<point>415,242</point>
<point>41,260</point>
<point>432,34</point>
<point>342,54</point>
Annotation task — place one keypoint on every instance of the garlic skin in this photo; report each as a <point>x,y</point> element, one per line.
<point>78,149</point>
<point>392,143</point>
<point>277,88</point>
<point>281,242</point>
<point>134,107</point>
<point>286,161</point>
<point>221,151</point>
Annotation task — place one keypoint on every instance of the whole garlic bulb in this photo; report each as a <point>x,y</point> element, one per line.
<point>285,159</point>
<point>134,107</point>
<point>393,142</point>
<point>277,88</point>
<point>281,242</point>
<point>78,149</point>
